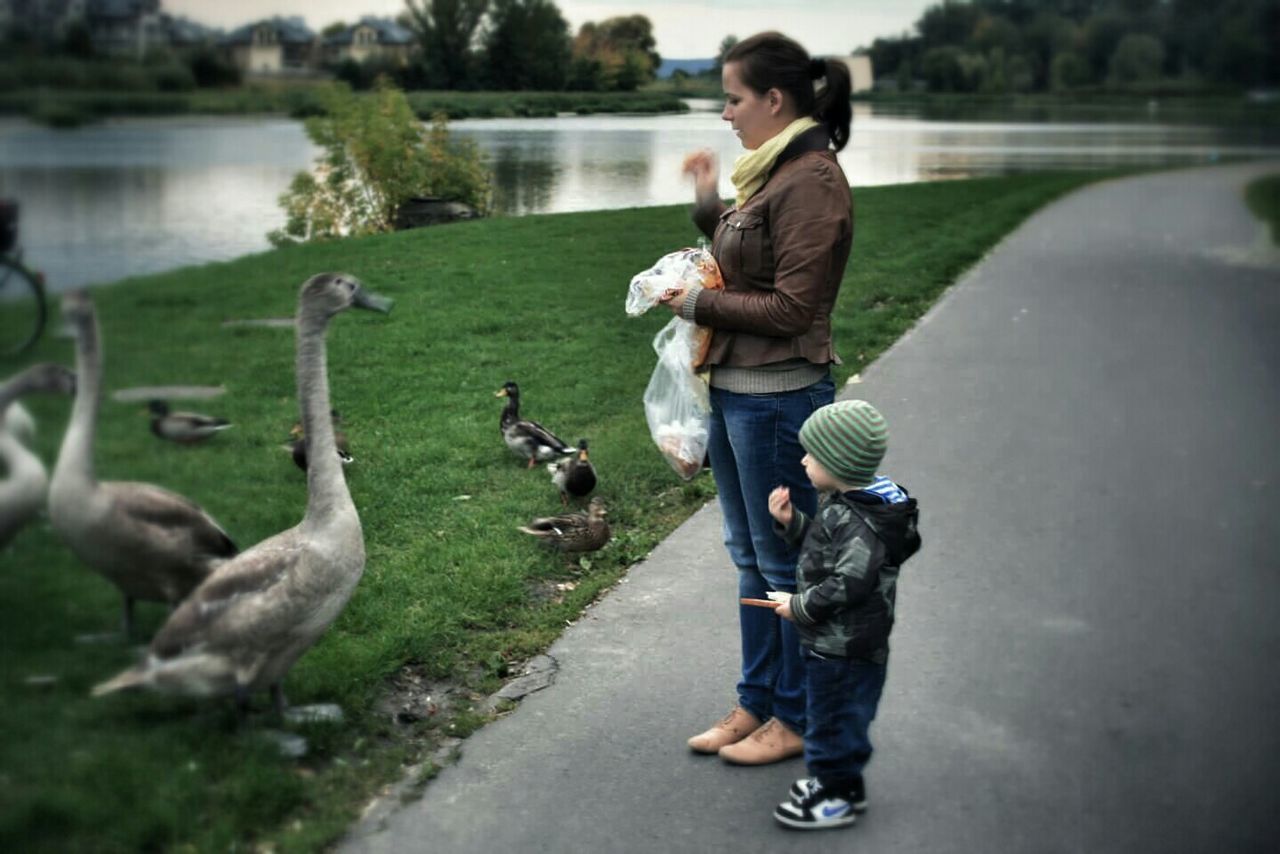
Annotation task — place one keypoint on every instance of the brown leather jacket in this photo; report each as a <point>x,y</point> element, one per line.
<point>782,256</point>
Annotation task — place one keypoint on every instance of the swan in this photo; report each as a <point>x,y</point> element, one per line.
<point>23,492</point>
<point>153,544</point>
<point>246,625</point>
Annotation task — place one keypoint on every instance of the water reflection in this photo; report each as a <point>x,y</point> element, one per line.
<point>137,196</point>
<point>525,170</point>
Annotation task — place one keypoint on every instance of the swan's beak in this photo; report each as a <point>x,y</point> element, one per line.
<point>374,302</point>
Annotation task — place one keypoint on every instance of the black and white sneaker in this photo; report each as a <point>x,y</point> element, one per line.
<point>818,810</point>
<point>803,787</point>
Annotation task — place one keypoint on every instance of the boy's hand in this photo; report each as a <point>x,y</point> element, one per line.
<point>780,506</point>
<point>784,610</point>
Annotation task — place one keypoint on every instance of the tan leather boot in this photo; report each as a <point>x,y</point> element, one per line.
<point>772,742</point>
<point>735,726</point>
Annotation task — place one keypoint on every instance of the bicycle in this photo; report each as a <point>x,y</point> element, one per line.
<point>23,306</point>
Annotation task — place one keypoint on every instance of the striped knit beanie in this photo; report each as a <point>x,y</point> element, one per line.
<point>848,438</point>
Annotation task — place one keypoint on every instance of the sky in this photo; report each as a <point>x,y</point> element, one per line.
<point>684,30</point>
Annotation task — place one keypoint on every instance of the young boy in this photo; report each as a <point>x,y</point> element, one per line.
<point>843,605</point>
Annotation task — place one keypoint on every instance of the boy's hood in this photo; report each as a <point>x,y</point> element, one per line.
<point>893,523</point>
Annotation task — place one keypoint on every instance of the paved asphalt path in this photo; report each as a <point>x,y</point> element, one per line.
<point>1085,657</point>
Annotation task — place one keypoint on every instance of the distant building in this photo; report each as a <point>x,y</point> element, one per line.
<point>861,73</point>
<point>122,27</point>
<point>276,46</point>
<point>185,33</point>
<point>373,37</point>
<point>43,20</point>
<point>116,27</point>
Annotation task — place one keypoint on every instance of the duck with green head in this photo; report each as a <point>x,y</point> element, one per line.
<point>525,438</point>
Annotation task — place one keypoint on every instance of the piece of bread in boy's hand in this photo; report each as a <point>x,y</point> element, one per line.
<point>777,597</point>
<point>759,603</point>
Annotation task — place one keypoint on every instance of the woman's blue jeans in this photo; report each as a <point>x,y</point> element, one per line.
<point>755,446</point>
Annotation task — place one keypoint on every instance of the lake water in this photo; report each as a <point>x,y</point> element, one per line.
<point>142,195</point>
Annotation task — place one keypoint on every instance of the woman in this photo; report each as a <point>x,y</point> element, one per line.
<point>782,249</point>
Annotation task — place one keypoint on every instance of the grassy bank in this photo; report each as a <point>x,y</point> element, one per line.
<point>453,598</point>
<point>1263,198</point>
<point>69,108</point>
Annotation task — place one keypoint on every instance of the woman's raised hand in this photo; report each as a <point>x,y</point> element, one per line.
<point>704,168</point>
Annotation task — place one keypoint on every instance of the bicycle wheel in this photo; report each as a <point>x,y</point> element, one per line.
<point>22,308</point>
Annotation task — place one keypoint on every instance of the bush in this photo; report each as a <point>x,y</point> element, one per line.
<point>376,155</point>
<point>1068,71</point>
<point>1137,59</point>
<point>174,78</point>
<point>210,70</point>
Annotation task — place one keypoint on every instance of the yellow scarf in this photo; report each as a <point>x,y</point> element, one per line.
<point>751,169</point>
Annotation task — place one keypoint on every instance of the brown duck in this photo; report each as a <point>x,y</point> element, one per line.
<point>573,533</point>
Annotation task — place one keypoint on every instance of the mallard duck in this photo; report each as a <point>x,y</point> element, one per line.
<point>298,444</point>
<point>574,475</point>
<point>23,492</point>
<point>573,533</point>
<point>185,428</point>
<point>245,626</point>
<point>527,439</point>
<point>153,544</point>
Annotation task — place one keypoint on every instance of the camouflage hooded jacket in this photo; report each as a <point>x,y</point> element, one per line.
<point>847,574</point>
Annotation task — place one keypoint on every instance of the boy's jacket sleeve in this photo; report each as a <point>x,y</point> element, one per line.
<point>793,533</point>
<point>849,578</point>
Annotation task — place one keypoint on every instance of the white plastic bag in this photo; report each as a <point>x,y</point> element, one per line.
<point>681,269</point>
<point>677,403</point>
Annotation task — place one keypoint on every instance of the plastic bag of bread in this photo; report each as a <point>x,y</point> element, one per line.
<point>676,270</point>
<point>677,402</point>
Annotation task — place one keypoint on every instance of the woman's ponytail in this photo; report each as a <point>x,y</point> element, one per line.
<point>832,106</point>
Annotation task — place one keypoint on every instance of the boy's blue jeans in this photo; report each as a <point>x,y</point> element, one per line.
<point>843,696</point>
<point>754,444</point>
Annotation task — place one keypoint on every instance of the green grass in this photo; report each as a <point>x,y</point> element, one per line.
<point>68,108</point>
<point>451,591</point>
<point>1263,198</point>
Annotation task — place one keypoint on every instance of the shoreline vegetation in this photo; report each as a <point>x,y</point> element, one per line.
<point>1164,102</point>
<point>70,108</point>
<point>454,600</point>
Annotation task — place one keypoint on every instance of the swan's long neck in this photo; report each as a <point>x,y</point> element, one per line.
<point>11,390</point>
<point>327,492</point>
<point>75,459</point>
<point>22,468</point>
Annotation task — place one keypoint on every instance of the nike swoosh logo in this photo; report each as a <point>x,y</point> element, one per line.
<point>832,812</point>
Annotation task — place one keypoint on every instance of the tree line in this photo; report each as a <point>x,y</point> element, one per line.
<point>1001,46</point>
<point>516,45</point>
